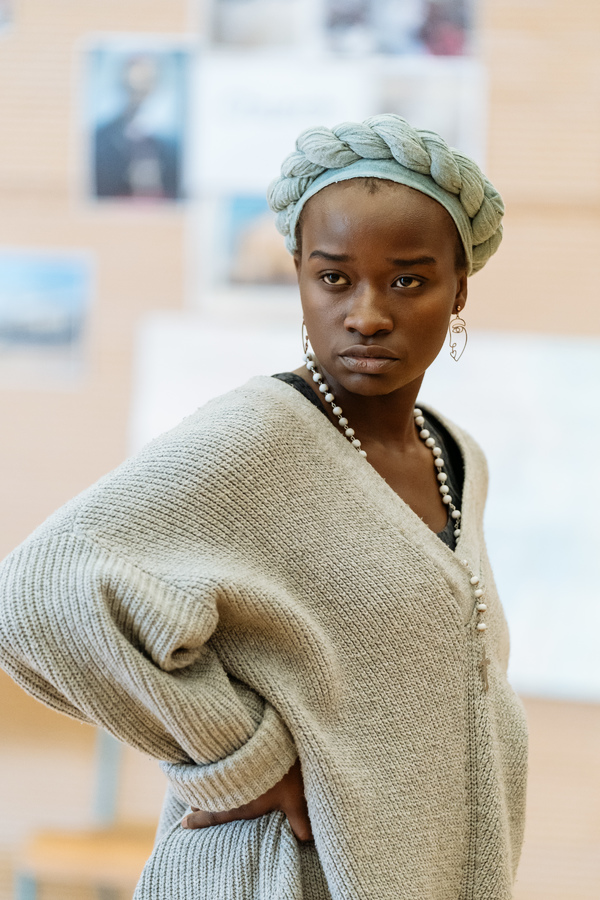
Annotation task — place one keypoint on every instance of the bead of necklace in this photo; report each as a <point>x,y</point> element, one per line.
<point>311,365</point>
<point>438,462</point>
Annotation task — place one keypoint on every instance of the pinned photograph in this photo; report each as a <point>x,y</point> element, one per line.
<point>256,23</point>
<point>136,100</point>
<point>429,27</point>
<point>255,252</point>
<point>7,14</point>
<point>44,302</point>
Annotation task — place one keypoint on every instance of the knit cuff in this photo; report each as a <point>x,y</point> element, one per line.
<point>241,777</point>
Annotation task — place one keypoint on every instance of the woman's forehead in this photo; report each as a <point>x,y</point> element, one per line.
<point>349,208</point>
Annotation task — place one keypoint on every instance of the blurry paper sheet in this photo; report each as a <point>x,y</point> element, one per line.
<point>136,100</point>
<point>44,301</point>
<point>520,397</point>
<point>250,111</point>
<point>432,27</point>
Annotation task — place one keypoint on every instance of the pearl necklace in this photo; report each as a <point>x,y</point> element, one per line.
<point>455,514</point>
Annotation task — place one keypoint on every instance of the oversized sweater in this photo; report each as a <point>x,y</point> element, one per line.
<point>248,589</point>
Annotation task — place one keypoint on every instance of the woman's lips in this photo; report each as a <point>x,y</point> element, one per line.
<point>369,365</point>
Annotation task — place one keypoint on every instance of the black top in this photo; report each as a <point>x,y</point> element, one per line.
<point>450,450</point>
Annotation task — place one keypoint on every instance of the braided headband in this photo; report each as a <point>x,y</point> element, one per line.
<point>386,146</point>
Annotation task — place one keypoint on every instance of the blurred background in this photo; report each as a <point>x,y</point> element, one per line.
<point>137,141</point>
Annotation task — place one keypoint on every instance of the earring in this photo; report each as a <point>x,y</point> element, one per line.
<point>304,338</point>
<point>458,327</point>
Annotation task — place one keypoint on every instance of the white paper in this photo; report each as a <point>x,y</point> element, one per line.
<point>251,109</point>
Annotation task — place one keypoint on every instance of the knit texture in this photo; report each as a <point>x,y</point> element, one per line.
<point>387,146</point>
<point>248,588</point>
<point>303,867</point>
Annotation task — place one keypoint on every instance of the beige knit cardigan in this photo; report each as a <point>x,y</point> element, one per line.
<point>248,588</point>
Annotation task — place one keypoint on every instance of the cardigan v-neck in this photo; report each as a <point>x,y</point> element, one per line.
<point>364,479</point>
<point>444,440</point>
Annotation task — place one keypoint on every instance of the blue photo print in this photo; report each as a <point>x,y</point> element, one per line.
<point>136,105</point>
<point>7,12</point>
<point>255,252</point>
<point>44,301</point>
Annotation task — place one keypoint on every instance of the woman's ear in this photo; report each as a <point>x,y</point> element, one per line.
<point>462,288</point>
<point>297,263</point>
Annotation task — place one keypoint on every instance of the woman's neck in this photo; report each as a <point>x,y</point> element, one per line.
<point>385,419</point>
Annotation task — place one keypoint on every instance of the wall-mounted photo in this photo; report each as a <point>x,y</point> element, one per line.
<point>253,251</point>
<point>257,23</point>
<point>7,14</point>
<point>136,105</point>
<point>44,302</point>
<point>399,27</point>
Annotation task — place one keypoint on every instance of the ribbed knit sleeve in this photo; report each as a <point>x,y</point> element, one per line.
<point>93,636</point>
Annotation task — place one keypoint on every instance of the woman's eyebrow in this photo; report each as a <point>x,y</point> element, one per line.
<point>333,257</point>
<point>344,257</point>
<point>417,261</point>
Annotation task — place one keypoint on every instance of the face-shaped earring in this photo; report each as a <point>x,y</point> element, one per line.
<point>304,338</point>
<point>458,327</point>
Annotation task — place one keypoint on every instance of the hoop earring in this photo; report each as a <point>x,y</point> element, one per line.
<point>458,327</point>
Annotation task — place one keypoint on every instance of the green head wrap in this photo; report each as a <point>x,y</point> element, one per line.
<point>388,147</point>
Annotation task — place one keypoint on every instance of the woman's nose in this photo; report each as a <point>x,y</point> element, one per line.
<point>368,313</point>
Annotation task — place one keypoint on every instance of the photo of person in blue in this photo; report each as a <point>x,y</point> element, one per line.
<point>138,150</point>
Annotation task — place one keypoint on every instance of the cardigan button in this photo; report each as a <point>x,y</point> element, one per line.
<point>481,626</point>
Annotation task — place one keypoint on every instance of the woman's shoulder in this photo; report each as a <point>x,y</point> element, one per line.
<point>209,457</point>
<point>250,416</point>
<point>220,434</point>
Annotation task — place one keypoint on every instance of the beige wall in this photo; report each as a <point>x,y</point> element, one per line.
<point>543,155</point>
<point>54,443</point>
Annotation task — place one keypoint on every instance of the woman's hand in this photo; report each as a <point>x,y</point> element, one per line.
<point>287,796</point>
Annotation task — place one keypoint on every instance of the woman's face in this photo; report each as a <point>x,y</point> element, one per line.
<point>378,281</point>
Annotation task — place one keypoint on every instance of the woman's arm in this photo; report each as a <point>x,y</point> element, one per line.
<point>91,635</point>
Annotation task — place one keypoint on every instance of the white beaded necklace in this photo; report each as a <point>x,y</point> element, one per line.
<point>455,514</point>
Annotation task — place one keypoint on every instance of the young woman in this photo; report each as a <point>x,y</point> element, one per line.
<point>287,598</point>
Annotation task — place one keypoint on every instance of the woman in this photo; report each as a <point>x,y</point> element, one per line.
<point>287,598</point>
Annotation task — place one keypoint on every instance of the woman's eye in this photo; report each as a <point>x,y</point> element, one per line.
<point>334,278</point>
<point>408,281</point>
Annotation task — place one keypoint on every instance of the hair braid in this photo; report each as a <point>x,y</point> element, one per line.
<point>390,137</point>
